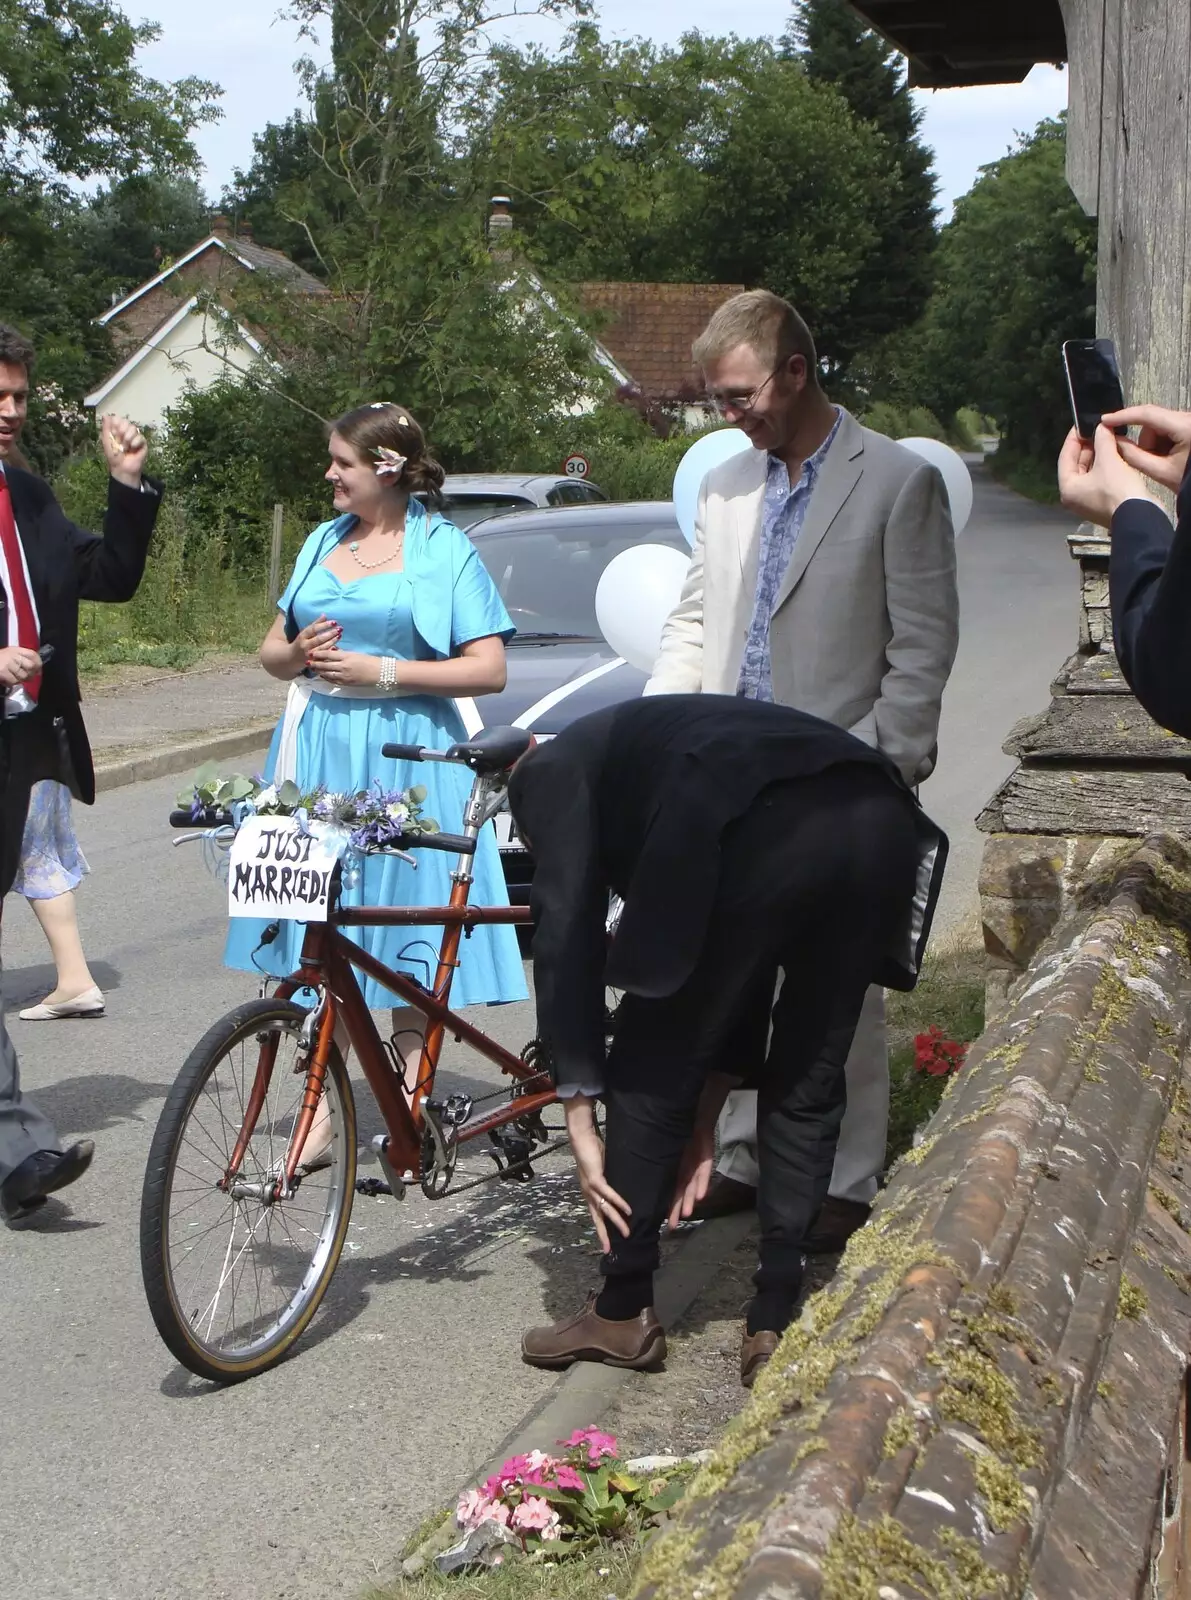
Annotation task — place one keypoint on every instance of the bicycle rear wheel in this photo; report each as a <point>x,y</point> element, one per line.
<point>233,1276</point>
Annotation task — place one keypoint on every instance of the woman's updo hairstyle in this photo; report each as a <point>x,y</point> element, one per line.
<point>384,425</point>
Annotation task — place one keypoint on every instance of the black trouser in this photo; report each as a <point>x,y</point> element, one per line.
<point>814,879</point>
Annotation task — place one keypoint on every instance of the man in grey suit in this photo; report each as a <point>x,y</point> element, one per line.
<point>822,577</point>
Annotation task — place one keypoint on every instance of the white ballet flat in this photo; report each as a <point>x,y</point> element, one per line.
<point>88,1004</point>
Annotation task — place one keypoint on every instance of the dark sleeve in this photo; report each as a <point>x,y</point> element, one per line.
<point>110,568</point>
<point>1150,595</point>
<point>569,900</point>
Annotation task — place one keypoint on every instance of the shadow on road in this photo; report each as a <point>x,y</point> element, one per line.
<point>26,986</point>
<point>97,1101</point>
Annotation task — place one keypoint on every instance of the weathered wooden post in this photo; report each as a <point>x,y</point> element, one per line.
<point>275,554</point>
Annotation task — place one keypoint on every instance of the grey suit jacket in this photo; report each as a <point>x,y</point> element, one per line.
<point>866,624</point>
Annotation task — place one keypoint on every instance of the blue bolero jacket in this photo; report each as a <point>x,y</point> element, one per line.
<point>452,596</point>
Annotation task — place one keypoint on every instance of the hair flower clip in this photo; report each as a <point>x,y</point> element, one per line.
<point>389,464</point>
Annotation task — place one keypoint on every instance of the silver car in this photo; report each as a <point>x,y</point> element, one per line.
<point>468,496</point>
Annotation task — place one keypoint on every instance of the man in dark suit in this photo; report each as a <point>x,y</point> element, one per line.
<point>745,839</point>
<point>1150,565</point>
<point>47,565</point>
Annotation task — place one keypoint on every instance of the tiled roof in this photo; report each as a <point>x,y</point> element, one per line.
<point>648,329</point>
<point>278,264</point>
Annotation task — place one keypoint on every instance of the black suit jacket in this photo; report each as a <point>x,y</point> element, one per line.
<point>1149,580</point>
<point>636,799</point>
<point>66,564</point>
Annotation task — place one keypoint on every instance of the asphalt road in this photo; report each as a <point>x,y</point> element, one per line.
<point>1019,621</point>
<point>123,1476</point>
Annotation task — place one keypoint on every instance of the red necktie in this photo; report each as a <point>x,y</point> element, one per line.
<point>19,597</point>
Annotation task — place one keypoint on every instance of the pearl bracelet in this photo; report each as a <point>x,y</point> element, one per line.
<point>387,682</point>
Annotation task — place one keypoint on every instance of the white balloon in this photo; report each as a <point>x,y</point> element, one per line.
<point>637,591</point>
<point>704,454</point>
<point>956,477</point>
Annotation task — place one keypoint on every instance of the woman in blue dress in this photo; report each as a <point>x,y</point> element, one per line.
<point>388,617</point>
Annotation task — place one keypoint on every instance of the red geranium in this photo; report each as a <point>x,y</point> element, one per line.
<point>937,1055</point>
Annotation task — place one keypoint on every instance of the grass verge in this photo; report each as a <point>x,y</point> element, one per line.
<point>950,993</point>
<point>606,1575</point>
<point>188,604</point>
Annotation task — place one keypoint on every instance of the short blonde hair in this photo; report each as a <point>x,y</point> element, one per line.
<point>765,322</point>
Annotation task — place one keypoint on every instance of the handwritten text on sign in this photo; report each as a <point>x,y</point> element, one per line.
<point>276,870</point>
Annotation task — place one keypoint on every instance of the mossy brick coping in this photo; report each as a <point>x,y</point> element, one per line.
<point>915,1431</point>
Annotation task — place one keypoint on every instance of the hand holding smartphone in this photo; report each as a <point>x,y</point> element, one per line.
<point>1093,383</point>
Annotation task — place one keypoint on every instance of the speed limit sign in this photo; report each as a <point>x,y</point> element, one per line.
<point>576,466</point>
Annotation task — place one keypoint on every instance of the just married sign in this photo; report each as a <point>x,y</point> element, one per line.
<point>277,870</point>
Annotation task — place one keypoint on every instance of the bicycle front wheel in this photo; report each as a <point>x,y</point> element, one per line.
<point>232,1275</point>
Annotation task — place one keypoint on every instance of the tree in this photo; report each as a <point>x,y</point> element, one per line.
<point>73,102</point>
<point>715,161</point>
<point>419,310</point>
<point>1016,276</point>
<point>893,286</point>
<point>276,185</point>
<point>73,105</point>
<point>133,228</point>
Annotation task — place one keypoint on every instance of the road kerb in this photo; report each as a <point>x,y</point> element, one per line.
<point>159,761</point>
<point>583,1394</point>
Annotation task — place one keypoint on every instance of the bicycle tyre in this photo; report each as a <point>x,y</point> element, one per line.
<point>166,1241</point>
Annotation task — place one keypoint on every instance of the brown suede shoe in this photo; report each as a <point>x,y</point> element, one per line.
<point>639,1342</point>
<point>835,1225</point>
<point>755,1351</point>
<point>724,1196</point>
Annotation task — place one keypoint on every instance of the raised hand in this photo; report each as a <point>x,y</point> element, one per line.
<point>1163,445</point>
<point>125,448</point>
<point>1094,480</point>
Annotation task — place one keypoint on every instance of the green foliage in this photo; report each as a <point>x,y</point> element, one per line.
<point>135,227</point>
<point>626,161</point>
<point>1016,276</point>
<point>72,101</point>
<point>950,993</point>
<point>189,601</point>
<point>73,105</point>
<point>235,450</point>
<point>895,280</point>
<point>902,422</point>
<point>628,461</point>
<point>607,1570</point>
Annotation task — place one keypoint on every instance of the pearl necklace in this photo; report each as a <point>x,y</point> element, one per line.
<point>369,566</point>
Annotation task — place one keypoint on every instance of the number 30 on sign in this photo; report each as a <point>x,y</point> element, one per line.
<point>276,870</point>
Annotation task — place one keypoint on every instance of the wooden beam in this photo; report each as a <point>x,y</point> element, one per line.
<point>952,46</point>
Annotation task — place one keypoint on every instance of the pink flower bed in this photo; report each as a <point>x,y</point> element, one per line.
<point>572,1499</point>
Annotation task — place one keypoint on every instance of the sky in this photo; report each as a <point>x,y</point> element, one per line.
<point>243,46</point>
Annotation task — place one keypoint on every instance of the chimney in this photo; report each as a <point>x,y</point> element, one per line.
<point>500,227</point>
<point>244,231</point>
<point>221,227</point>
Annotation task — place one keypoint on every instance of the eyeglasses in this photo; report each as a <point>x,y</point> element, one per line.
<point>721,404</point>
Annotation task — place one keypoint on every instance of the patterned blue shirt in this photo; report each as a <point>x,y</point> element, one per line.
<point>783,514</point>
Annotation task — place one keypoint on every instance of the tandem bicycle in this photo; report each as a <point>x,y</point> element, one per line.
<point>239,1240</point>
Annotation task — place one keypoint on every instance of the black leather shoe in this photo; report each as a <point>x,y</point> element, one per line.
<point>724,1196</point>
<point>835,1225</point>
<point>28,1185</point>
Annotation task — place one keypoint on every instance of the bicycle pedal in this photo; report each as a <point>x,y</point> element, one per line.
<point>372,1186</point>
<point>452,1112</point>
<point>397,1183</point>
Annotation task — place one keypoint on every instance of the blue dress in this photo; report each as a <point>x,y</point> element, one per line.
<point>443,599</point>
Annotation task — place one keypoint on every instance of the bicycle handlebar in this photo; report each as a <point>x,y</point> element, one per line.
<point>415,752</point>
<point>453,843</point>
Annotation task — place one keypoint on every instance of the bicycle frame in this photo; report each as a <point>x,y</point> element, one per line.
<point>328,964</point>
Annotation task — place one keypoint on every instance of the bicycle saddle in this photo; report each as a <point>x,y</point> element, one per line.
<point>493,750</point>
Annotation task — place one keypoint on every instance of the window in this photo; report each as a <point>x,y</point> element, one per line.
<point>548,578</point>
<point>465,509</point>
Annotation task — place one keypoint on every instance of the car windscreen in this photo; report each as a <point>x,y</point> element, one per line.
<point>548,578</point>
<point>464,509</point>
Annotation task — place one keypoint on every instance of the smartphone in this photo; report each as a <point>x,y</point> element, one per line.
<point>1093,382</point>
<point>45,653</point>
